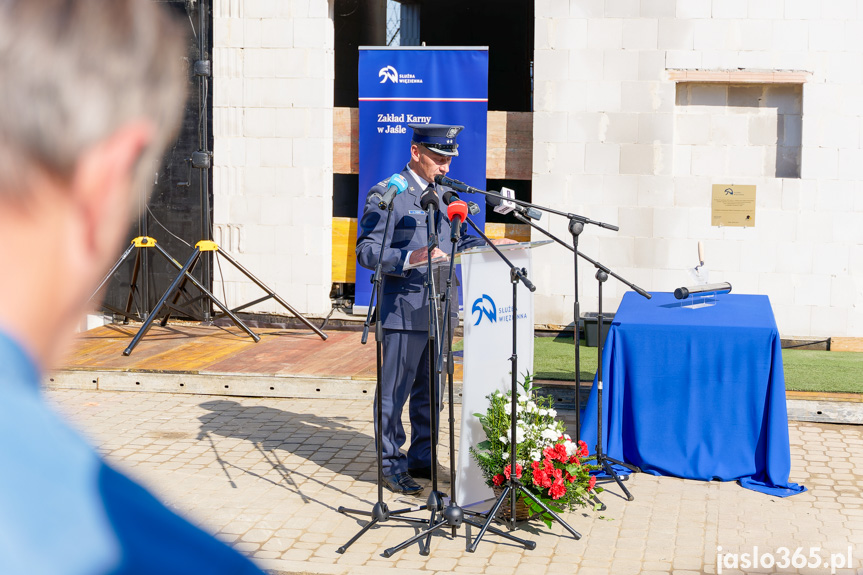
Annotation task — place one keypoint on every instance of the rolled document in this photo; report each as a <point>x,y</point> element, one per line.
<point>685,292</point>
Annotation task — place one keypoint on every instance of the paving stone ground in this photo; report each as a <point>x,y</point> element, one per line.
<point>267,476</point>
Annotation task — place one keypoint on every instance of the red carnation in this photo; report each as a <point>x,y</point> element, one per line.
<point>497,479</point>
<point>591,483</point>
<point>507,470</point>
<point>570,478</point>
<point>575,459</point>
<point>558,489</point>
<point>582,449</point>
<point>540,477</point>
<point>558,473</point>
<point>560,452</point>
<point>549,453</point>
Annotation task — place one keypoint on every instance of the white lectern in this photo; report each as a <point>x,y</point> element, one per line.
<point>487,297</point>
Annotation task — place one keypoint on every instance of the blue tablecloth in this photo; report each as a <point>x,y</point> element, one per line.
<point>696,393</point>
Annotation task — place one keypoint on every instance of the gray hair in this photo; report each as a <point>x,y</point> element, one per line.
<point>73,72</point>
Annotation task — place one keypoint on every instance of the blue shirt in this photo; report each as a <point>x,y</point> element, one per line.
<point>63,511</point>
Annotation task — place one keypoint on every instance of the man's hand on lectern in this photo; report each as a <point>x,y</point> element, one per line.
<point>419,256</point>
<point>503,241</point>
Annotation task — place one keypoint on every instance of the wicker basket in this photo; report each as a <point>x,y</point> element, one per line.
<point>522,511</point>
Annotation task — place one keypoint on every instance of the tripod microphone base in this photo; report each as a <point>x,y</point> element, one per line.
<point>606,464</point>
<point>513,489</point>
<point>379,514</point>
<point>454,516</point>
<point>435,501</point>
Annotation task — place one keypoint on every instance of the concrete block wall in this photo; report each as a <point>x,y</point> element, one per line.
<point>616,140</point>
<point>273,71</point>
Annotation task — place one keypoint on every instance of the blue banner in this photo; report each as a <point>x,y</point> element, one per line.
<point>419,85</point>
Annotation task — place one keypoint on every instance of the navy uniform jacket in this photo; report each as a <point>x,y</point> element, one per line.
<point>404,304</point>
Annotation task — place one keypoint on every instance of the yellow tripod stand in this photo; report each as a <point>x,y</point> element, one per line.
<point>178,286</point>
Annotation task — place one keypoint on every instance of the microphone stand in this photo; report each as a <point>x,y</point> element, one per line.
<point>513,487</point>
<point>453,516</point>
<point>601,458</point>
<point>435,498</point>
<point>570,217</point>
<point>380,512</point>
<point>575,228</point>
<point>601,276</point>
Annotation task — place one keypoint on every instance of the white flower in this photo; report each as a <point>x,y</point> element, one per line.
<point>504,439</point>
<point>549,434</point>
<point>519,434</point>
<point>534,455</point>
<point>507,407</point>
<point>571,448</point>
<point>543,412</point>
<point>552,413</point>
<point>505,456</point>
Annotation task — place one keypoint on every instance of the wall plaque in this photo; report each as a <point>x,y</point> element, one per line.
<point>733,206</point>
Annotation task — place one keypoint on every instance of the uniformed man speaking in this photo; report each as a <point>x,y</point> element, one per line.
<point>404,304</point>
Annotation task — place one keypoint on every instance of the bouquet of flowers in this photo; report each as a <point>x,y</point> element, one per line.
<point>548,463</point>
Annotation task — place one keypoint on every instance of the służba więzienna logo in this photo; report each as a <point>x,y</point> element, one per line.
<point>488,310</point>
<point>389,73</point>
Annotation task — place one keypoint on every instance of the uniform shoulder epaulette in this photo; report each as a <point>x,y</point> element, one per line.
<point>382,183</point>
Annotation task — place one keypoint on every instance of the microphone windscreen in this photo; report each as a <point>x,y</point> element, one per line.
<point>429,198</point>
<point>449,196</point>
<point>457,208</point>
<point>399,182</point>
<point>493,201</point>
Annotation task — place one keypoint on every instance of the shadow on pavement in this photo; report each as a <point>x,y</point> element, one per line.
<point>326,441</point>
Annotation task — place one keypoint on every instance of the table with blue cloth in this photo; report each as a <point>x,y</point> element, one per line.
<point>697,393</point>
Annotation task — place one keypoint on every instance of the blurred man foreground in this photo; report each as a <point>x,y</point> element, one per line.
<point>90,93</point>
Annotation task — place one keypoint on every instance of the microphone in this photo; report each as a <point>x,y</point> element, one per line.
<point>685,292</point>
<point>503,206</point>
<point>457,212</point>
<point>473,208</point>
<point>429,199</point>
<point>456,185</point>
<point>449,196</point>
<point>396,185</point>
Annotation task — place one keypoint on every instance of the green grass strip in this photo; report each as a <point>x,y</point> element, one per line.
<point>833,371</point>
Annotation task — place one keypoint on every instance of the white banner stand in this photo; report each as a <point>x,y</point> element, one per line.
<point>487,349</point>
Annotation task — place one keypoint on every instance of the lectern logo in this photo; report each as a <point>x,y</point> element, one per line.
<point>484,307</point>
<point>389,73</point>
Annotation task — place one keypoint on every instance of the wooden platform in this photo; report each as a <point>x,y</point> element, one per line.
<point>189,358</point>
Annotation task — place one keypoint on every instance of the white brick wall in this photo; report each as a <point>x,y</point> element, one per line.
<point>272,125</point>
<point>614,142</point>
